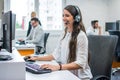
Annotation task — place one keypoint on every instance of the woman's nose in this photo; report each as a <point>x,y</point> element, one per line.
<point>64,18</point>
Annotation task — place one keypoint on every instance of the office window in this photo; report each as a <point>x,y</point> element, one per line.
<point>50,14</point>
<point>22,9</point>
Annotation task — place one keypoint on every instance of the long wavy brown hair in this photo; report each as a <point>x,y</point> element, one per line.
<point>77,27</point>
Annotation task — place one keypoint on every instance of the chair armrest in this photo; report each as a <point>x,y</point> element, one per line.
<point>100,77</point>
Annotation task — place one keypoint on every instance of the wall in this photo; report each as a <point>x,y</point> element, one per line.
<point>114,10</point>
<point>6,5</point>
<point>1,7</point>
<point>91,9</point>
<point>1,10</point>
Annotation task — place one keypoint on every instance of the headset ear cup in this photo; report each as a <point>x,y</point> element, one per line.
<point>77,18</point>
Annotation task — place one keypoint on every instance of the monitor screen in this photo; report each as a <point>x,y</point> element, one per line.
<point>8,30</point>
<point>110,26</point>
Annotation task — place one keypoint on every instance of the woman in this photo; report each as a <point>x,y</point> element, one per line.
<point>72,50</point>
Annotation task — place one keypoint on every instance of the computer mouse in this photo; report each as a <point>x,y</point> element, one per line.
<point>27,59</point>
<point>22,43</point>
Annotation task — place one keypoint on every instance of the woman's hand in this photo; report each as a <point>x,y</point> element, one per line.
<point>34,58</point>
<point>52,67</point>
<point>99,27</point>
<point>20,40</point>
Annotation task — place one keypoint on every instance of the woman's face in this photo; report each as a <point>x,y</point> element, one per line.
<point>67,19</point>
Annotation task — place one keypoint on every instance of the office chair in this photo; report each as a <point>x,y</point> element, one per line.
<point>46,35</point>
<point>117,51</point>
<point>101,50</point>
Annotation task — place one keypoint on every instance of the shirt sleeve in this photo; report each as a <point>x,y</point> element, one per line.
<point>39,35</point>
<point>56,52</point>
<point>30,35</point>
<point>82,50</point>
<point>90,31</point>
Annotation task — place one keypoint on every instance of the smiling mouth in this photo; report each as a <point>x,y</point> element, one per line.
<point>66,23</point>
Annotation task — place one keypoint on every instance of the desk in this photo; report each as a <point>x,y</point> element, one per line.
<point>13,69</point>
<point>115,64</point>
<point>26,49</point>
<point>55,75</point>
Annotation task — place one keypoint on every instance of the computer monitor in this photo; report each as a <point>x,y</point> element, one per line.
<point>110,26</point>
<point>8,30</point>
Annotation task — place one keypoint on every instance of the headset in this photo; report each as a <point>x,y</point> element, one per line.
<point>77,17</point>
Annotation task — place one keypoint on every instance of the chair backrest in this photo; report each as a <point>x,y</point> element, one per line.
<point>45,39</point>
<point>101,50</point>
<point>117,51</point>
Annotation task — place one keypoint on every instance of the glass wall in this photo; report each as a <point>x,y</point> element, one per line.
<point>49,11</point>
<point>22,9</point>
<point>50,14</point>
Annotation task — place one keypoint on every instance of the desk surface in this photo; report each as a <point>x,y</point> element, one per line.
<point>55,75</point>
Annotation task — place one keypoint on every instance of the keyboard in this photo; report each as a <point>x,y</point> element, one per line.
<point>35,68</point>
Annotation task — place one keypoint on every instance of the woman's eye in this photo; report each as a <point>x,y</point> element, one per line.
<point>67,15</point>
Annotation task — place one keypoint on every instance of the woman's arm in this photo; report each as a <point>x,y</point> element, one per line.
<point>69,66</point>
<point>42,58</point>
